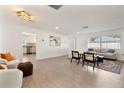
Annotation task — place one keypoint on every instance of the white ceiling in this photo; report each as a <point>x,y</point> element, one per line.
<point>69,18</point>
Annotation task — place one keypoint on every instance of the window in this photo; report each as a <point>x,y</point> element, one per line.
<point>104,42</point>
<point>110,42</point>
<point>94,42</point>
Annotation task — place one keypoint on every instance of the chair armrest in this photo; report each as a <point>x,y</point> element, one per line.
<point>13,64</point>
<point>11,78</point>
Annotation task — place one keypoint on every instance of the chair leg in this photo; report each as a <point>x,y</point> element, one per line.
<point>78,61</point>
<point>87,63</point>
<point>71,59</point>
<point>93,66</point>
<point>97,64</point>
<point>83,63</point>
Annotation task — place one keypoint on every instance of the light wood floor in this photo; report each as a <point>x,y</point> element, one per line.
<point>60,73</point>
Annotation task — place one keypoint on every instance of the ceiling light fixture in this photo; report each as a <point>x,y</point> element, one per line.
<point>24,15</point>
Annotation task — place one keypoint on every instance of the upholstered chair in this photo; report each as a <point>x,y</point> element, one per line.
<point>89,58</point>
<point>76,56</point>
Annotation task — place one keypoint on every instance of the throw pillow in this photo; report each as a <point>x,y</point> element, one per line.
<point>3,61</point>
<point>3,66</point>
<point>90,49</point>
<point>7,56</point>
<point>111,50</point>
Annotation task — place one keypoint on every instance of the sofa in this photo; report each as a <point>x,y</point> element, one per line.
<point>10,76</point>
<point>110,54</point>
<point>12,63</point>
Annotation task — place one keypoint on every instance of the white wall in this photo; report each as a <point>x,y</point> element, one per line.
<point>45,51</point>
<point>0,34</point>
<point>0,38</point>
<point>12,41</point>
<point>29,38</point>
<point>82,40</point>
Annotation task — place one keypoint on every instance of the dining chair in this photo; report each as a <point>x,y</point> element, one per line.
<point>89,58</point>
<point>77,56</point>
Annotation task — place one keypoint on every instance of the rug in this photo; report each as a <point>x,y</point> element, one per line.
<point>111,66</point>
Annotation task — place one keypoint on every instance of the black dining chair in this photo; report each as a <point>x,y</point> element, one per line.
<point>76,56</point>
<point>89,58</point>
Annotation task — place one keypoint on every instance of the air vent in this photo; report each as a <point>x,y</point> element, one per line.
<point>84,27</point>
<point>56,7</point>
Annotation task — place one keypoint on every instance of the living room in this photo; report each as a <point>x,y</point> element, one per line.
<point>83,42</point>
<point>56,37</point>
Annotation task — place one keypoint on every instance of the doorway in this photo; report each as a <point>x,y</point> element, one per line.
<point>29,46</point>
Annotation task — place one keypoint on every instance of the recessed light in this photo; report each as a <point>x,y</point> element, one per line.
<point>56,27</point>
<point>78,32</point>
